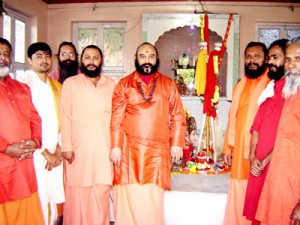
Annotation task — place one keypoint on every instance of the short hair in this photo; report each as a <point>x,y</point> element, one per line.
<point>146,43</point>
<point>5,42</point>
<point>293,41</point>
<point>281,43</point>
<point>68,43</point>
<point>38,46</point>
<point>94,47</point>
<point>256,43</point>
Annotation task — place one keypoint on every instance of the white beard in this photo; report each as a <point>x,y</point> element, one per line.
<point>292,84</point>
<point>4,70</point>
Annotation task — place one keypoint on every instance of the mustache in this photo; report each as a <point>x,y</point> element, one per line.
<point>292,72</point>
<point>91,65</point>
<point>146,64</point>
<point>5,63</point>
<point>67,61</point>
<point>252,64</point>
<point>272,65</point>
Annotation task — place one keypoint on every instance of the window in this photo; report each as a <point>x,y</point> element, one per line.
<point>267,33</point>
<point>110,37</point>
<point>14,30</point>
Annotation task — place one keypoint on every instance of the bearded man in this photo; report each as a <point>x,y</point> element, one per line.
<point>20,136</point>
<point>68,62</point>
<point>237,138</point>
<point>85,119</point>
<point>280,199</point>
<point>264,128</point>
<point>147,111</point>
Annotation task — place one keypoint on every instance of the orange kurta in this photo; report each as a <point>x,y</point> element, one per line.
<point>237,142</point>
<point>281,189</point>
<point>143,129</point>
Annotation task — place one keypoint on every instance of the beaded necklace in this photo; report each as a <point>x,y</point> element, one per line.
<point>151,92</point>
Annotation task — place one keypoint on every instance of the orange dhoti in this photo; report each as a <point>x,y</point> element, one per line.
<point>235,202</point>
<point>26,211</point>
<point>87,205</point>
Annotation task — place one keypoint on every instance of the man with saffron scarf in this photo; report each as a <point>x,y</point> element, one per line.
<point>147,111</point>
<point>264,128</point>
<point>279,203</point>
<point>47,159</point>
<point>237,138</point>
<point>20,136</point>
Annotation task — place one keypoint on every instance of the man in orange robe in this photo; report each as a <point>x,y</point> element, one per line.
<point>237,138</point>
<point>20,136</point>
<point>85,111</point>
<point>147,112</point>
<point>280,199</point>
<point>264,128</point>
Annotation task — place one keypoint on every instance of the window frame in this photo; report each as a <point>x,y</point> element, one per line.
<point>16,16</point>
<point>283,27</point>
<point>106,70</point>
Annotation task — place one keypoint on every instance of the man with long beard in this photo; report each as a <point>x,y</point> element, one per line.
<point>147,111</point>
<point>85,119</point>
<point>264,128</point>
<point>68,62</point>
<point>237,138</point>
<point>20,136</point>
<point>280,199</point>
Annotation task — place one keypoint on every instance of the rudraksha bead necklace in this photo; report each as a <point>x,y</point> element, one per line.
<point>151,92</point>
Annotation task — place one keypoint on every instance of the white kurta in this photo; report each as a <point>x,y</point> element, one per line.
<point>50,183</point>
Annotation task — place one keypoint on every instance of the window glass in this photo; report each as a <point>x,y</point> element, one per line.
<point>292,33</point>
<point>19,41</point>
<point>87,36</point>
<point>7,27</point>
<point>113,49</point>
<point>267,36</point>
<point>109,37</point>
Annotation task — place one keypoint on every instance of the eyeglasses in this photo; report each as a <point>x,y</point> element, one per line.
<point>69,54</point>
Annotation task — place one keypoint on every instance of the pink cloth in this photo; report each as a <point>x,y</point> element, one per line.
<point>85,121</point>
<point>281,189</point>
<point>55,74</point>
<point>87,205</point>
<point>265,123</point>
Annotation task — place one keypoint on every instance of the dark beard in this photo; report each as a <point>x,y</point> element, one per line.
<point>276,75</point>
<point>253,74</point>
<point>140,68</point>
<point>67,69</point>
<point>90,73</point>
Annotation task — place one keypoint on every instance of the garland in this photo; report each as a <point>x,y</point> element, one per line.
<point>151,92</point>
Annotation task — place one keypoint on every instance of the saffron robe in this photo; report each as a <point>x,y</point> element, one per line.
<point>237,141</point>
<point>85,112</point>
<point>143,129</point>
<point>280,193</point>
<point>265,123</point>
